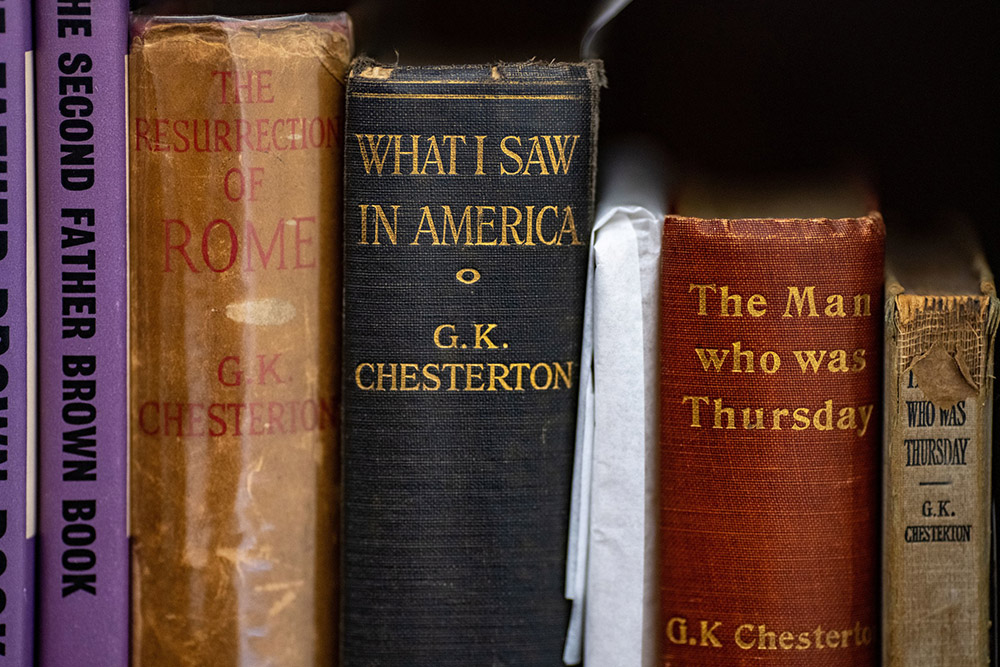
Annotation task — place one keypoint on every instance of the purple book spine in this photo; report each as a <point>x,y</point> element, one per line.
<point>83,536</point>
<point>17,330</point>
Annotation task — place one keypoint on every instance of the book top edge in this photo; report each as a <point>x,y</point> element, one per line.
<point>779,228</point>
<point>143,26</point>
<point>532,71</point>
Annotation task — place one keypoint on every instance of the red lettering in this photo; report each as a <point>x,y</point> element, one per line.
<point>217,420</point>
<point>153,430</point>
<point>235,379</point>
<point>276,133</point>
<point>261,86</point>
<point>182,136</point>
<point>234,245</point>
<point>278,237</point>
<point>316,126</point>
<point>262,130</point>
<point>178,247</point>
<point>141,129</point>
<point>275,414</point>
<point>223,84</point>
<point>159,147</point>
<point>267,367</point>
<point>222,138</point>
<point>302,240</point>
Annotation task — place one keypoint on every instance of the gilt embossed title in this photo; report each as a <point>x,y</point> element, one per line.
<point>499,224</point>
<point>795,302</point>
<point>467,224</point>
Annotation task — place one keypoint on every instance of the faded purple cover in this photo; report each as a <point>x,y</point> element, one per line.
<point>16,360</point>
<point>77,626</point>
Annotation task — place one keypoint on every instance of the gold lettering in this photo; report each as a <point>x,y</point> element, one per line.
<point>430,373</point>
<point>451,140</point>
<point>480,140</point>
<point>426,217</point>
<point>357,376</point>
<point>452,343</point>
<point>561,142</point>
<point>414,141</point>
<point>702,299</point>
<point>482,222</point>
<point>494,377</point>
<point>565,373</point>
<point>449,223</point>
<point>373,145</point>
<point>548,376</point>
<point>404,375</point>
<point>862,305</point>
<point>695,405</point>
<point>512,226</point>
<point>434,156</point>
<point>835,306</point>
<point>801,299</point>
<point>735,299</point>
<point>511,154</point>
<point>728,413</point>
<point>568,226</point>
<point>380,219</point>
<point>535,157</point>
<point>743,643</point>
<point>470,376</point>
<point>538,225</point>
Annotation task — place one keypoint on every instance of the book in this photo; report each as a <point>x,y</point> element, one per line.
<point>611,577</point>
<point>82,298</point>
<point>18,361</point>
<point>468,208</point>
<point>941,322</point>
<point>236,133</point>
<point>770,424</point>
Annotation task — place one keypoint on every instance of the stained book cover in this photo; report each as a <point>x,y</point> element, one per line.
<point>941,322</point>
<point>770,427</point>
<point>469,203</point>
<point>17,335</point>
<point>82,294</point>
<point>236,145</point>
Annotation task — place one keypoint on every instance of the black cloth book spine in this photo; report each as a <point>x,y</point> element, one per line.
<point>469,204</point>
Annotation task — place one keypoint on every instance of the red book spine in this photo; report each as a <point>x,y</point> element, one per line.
<point>770,433</point>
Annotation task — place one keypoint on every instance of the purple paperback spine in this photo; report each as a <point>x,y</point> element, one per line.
<point>82,213</point>
<point>17,331</point>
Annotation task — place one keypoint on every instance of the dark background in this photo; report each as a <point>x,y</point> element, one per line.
<point>902,89</point>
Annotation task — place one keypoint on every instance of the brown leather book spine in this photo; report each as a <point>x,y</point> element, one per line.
<point>235,149</point>
<point>770,431</point>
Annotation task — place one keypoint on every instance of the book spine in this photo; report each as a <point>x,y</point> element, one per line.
<point>236,159</point>
<point>939,380</point>
<point>468,208</point>
<point>770,425</point>
<point>17,336</point>
<point>83,578</point>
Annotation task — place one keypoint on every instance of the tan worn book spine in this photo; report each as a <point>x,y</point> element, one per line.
<point>939,388</point>
<point>235,150</point>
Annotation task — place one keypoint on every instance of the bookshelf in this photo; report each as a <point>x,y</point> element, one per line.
<point>902,88</point>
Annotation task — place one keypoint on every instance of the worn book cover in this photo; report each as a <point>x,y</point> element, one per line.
<point>469,203</point>
<point>235,140</point>
<point>235,144</point>
<point>17,335</point>
<point>80,102</point>
<point>770,426</point>
<point>941,322</point>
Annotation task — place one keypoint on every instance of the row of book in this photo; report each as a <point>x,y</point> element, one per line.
<point>362,375</point>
